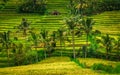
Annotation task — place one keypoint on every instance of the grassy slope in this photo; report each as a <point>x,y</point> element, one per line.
<point>108,22</point>
<point>49,66</point>
<point>55,66</point>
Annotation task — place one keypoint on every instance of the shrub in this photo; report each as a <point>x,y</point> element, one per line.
<point>100,66</point>
<point>2,6</point>
<point>32,7</point>
<point>31,57</point>
<point>91,52</point>
<point>40,55</point>
<point>109,5</point>
<point>99,6</point>
<point>27,57</point>
<point>117,69</point>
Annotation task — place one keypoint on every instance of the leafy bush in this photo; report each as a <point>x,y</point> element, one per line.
<point>117,69</point>
<point>100,66</point>
<point>109,5</point>
<point>40,55</point>
<point>22,58</point>
<point>2,6</point>
<point>32,7</point>
<point>99,6</point>
<point>31,57</point>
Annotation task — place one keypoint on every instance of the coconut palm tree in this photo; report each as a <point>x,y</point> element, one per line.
<point>107,43</point>
<point>71,23</point>
<point>52,42</point>
<point>44,39</point>
<point>62,37</point>
<point>53,39</point>
<point>87,26</point>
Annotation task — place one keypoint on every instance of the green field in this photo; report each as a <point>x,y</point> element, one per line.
<point>56,66</point>
<point>107,22</point>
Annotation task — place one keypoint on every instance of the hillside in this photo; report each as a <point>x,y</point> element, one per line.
<point>57,66</point>
<point>107,22</point>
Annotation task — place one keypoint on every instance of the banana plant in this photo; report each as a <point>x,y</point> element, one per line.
<point>44,40</point>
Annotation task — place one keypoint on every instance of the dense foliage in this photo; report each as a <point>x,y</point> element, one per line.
<point>88,7</point>
<point>33,6</point>
<point>106,68</point>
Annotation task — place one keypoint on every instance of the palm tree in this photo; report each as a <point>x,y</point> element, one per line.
<point>6,43</point>
<point>87,25</point>
<point>44,39</point>
<point>107,43</point>
<point>53,39</point>
<point>71,24</point>
<point>61,36</point>
<point>52,42</point>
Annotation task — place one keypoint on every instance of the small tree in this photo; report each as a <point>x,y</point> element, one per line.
<point>87,25</point>
<point>107,43</point>
<point>24,26</point>
<point>44,39</point>
<point>6,43</point>
<point>94,42</point>
<point>62,37</point>
<point>71,24</point>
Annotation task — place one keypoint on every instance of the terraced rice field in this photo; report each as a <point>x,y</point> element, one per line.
<point>107,22</point>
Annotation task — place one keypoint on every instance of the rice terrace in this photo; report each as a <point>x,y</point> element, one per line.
<point>59,37</point>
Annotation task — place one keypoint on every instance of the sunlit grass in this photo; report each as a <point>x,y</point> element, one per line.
<point>90,61</point>
<point>49,66</point>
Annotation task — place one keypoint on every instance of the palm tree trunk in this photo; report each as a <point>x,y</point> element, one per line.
<point>81,8</point>
<point>73,44</point>
<point>61,46</point>
<point>45,52</point>
<point>118,54</point>
<point>8,57</point>
<point>106,53</point>
<point>86,45</point>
